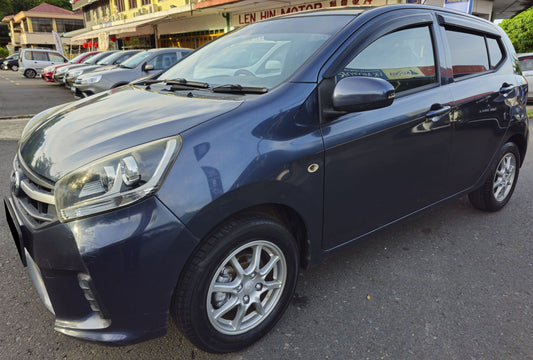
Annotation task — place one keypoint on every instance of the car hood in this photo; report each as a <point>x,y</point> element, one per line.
<point>61,140</point>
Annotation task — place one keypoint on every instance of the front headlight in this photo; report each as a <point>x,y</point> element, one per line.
<point>116,180</point>
<point>75,73</point>
<point>91,80</point>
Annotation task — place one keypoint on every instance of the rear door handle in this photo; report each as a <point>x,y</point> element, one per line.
<point>439,113</point>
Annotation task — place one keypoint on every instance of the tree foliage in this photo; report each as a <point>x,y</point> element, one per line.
<point>520,30</point>
<point>12,7</point>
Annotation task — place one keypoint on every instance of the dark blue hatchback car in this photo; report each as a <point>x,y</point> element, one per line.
<point>201,192</point>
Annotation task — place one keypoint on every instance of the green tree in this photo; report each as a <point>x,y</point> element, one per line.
<point>520,30</point>
<point>11,7</point>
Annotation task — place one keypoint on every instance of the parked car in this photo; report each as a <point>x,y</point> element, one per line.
<point>59,75</point>
<point>48,72</point>
<point>107,63</point>
<point>148,62</point>
<point>202,195</point>
<point>33,61</point>
<point>11,64</point>
<point>4,62</point>
<point>526,64</point>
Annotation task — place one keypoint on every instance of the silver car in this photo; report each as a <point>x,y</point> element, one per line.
<point>149,62</point>
<point>526,63</point>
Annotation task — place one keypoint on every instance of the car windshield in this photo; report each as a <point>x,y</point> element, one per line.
<point>135,60</point>
<point>109,59</point>
<point>75,59</point>
<point>96,58</point>
<point>526,63</point>
<point>263,54</point>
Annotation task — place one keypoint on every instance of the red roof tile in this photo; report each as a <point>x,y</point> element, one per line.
<point>50,9</point>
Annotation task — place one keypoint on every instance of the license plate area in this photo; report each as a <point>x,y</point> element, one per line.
<point>16,231</point>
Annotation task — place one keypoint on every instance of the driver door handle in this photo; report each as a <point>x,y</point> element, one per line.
<point>437,114</point>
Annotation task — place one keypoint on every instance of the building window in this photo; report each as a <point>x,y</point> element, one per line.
<point>120,5</point>
<point>145,2</point>
<point>191,40</point>
<point>66,25</point>
<point>133,4</point>
<point>41,24</point>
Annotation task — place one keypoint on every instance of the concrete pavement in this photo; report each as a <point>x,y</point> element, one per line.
<point>11,129</point>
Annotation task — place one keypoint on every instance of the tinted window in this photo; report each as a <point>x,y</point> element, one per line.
<point>40,55</point>
<point>495,52</point>
<point>404,58</point>
<point>469,53</point>
<point>163,61</point>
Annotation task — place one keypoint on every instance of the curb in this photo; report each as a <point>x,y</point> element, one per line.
<point>14,117</point>
<point>12,128</point>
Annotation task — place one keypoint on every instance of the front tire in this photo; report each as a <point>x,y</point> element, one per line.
<point>15,68</point>
<point>500,184</point>
<point>237,285</point>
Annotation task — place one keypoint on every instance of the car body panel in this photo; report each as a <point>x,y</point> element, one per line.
<point>332,175</point>
<point>89,122</point>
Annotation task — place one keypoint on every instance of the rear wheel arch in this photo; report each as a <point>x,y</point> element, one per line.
<point>521,144</point>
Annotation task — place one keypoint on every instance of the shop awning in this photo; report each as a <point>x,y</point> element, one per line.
<point>132,27</point>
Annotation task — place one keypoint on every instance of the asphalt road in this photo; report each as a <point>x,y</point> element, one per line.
<point>453,283</point>
<point>23,96</point>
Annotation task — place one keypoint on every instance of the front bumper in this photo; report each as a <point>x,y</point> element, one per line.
<point>48,76</point>
<point>109,277</point>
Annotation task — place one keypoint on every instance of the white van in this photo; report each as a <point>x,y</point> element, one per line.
<point>33,61</point>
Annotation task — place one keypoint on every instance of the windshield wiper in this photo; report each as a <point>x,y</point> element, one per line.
<point>183,84</point>
<point>238,89</point>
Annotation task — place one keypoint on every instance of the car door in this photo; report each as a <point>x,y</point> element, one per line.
<point>37,59</point>
<point>483,93</point>
<point>384,164</point>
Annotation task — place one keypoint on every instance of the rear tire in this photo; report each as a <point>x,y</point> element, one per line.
<point>237,284</point>
<point>501,181</point>
<point>30,73</point>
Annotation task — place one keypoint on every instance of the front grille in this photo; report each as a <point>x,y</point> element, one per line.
<point>33,196</point>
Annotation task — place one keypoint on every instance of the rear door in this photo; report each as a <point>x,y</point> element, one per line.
<point>484,89</point>
<point>384,164</point>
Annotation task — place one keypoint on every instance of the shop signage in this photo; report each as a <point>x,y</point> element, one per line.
<point>250,17</point>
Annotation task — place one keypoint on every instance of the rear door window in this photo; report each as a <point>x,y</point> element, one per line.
<point>473,53</point>
<point>40,55</point>
<point>495,52</point>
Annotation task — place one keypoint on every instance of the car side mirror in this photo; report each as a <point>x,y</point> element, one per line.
<point>360,93</point>
<point>147,67</point>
